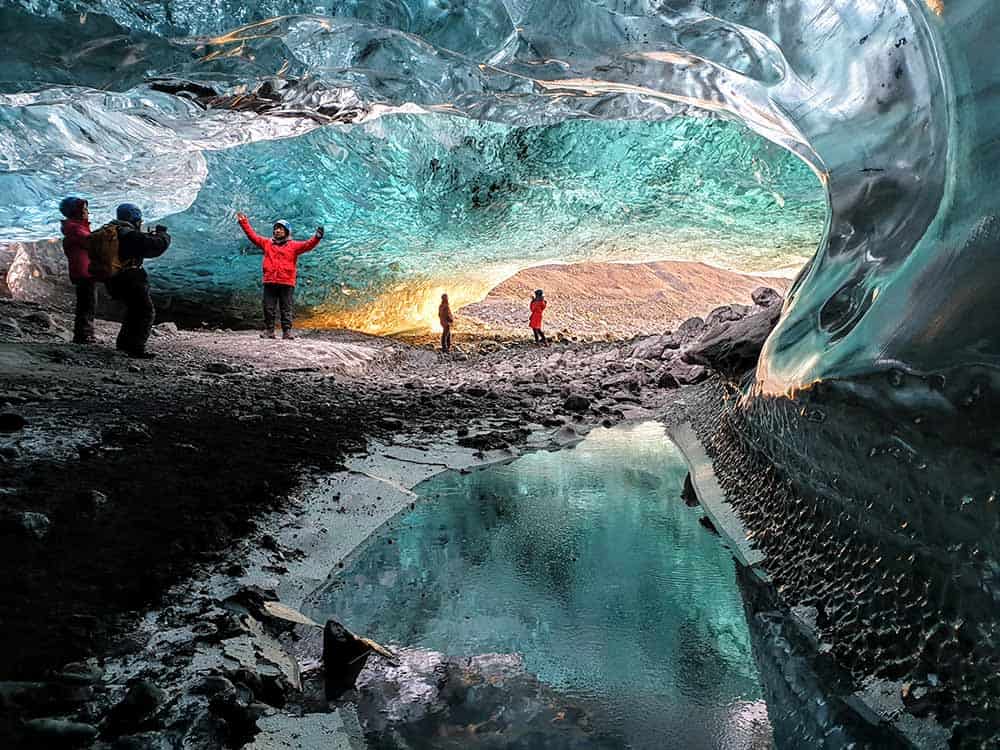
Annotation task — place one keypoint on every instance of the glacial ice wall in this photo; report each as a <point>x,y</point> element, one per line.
<point>153,97</point>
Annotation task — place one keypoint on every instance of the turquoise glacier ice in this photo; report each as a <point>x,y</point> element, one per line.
<point>475,146</point>
<point>858,140</point>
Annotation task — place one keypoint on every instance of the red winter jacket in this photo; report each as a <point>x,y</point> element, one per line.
<point>537,305</point>
<point>279,260</point>
<point>76,232</point>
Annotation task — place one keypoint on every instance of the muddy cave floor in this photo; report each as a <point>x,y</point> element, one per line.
<point>146,473</point>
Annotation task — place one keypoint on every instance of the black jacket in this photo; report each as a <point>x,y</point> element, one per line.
<point>135,245</point>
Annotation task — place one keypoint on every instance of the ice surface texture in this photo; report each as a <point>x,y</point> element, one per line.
<point>891,103</point>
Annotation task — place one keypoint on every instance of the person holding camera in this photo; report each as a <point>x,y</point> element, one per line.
<point>129,284</point>
<point>281,256</point>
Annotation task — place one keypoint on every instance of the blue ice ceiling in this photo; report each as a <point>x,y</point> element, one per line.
<point>422,137</point>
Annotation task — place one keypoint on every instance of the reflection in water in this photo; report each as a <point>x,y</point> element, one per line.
<point>588,565</point>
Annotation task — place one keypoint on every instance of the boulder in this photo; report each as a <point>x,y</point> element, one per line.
<point>631,381</point>
<point>40,319</point>
<point>344,656</point>
<point>676,373</point>
<point>650,348</point>
<point>141,702</point>
<point>733,347</point>
<point>576,402</point>
<point>687,331</point>
<point>165,329</point>
<point>726,313</point>
<point>765,296</point>
<point>11,422</point>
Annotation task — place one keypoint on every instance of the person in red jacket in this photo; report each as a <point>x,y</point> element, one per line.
<point>281,254</point>
<point>76,236</point>
<point>537,306</point>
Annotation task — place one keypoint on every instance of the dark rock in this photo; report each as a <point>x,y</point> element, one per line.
<point>220,368</point>
<point>734,347</point>
<point>576,402</point>
<point>40,319</point>
<point>344,656</point>
<point>476,390</point>
<point>688,494</point>
<point>391,423</point>
<point>11,422</point>
<point>632,381</point>
<point>652,347</point>
<point>10,451</point>
<point>250,599</point>
<point>25,524</point>
<point>59,732</point>
<point>165,329</point>
<point>707,523</point>
<point>689,330</point>
<point>494,439</point>
<point>726,313</point>
<point>142,700</point>
<point>765,296</point>
<point>676,373</point>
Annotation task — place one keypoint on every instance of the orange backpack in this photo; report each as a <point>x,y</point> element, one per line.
<point>103,252</point>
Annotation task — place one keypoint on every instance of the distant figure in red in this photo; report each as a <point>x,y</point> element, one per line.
<point>76,239</point>
<point>281,254</point>
<point>537,306</point>
<point>446,319</point>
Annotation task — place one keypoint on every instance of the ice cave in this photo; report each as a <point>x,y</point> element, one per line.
<point>178,530</point>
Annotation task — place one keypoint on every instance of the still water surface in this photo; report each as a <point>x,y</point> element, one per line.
<point>588,564</point>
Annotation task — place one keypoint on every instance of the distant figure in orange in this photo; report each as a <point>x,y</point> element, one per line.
<point>446,319</point>
<point>537,306</point>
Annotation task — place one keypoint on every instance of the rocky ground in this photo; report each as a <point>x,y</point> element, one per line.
<point>158,486</point>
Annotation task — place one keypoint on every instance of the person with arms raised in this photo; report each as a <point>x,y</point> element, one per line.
<point>281,256</point>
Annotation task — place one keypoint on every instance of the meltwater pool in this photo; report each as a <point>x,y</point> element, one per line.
<point>588,565</point>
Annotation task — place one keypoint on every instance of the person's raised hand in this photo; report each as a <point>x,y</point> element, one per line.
<point>240,216</point>
<point>320,232</point>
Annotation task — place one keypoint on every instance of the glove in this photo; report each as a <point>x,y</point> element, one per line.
<point>160,229</point>
<point>320,232</point>
<point>240,216</point>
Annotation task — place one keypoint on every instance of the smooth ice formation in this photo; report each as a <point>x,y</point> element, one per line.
<point>886,101</point>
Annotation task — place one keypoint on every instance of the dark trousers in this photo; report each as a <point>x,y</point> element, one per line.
<point>540,337</point>
<point>86,305</point>
<point>278,296</point>
<point>131,287</point>
<point>446,338</point>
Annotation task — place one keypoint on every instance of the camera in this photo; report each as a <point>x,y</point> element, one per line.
<point>160,229</point>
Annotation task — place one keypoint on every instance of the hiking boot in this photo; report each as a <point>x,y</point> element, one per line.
<point>141,355</point>
<point>288,335</point>
<point>267,335</point>
<point>91,340</point>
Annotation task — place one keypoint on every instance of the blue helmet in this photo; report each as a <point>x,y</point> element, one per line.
<point>129,212</point>
<point>72,206</point>
<point>284,225</point>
